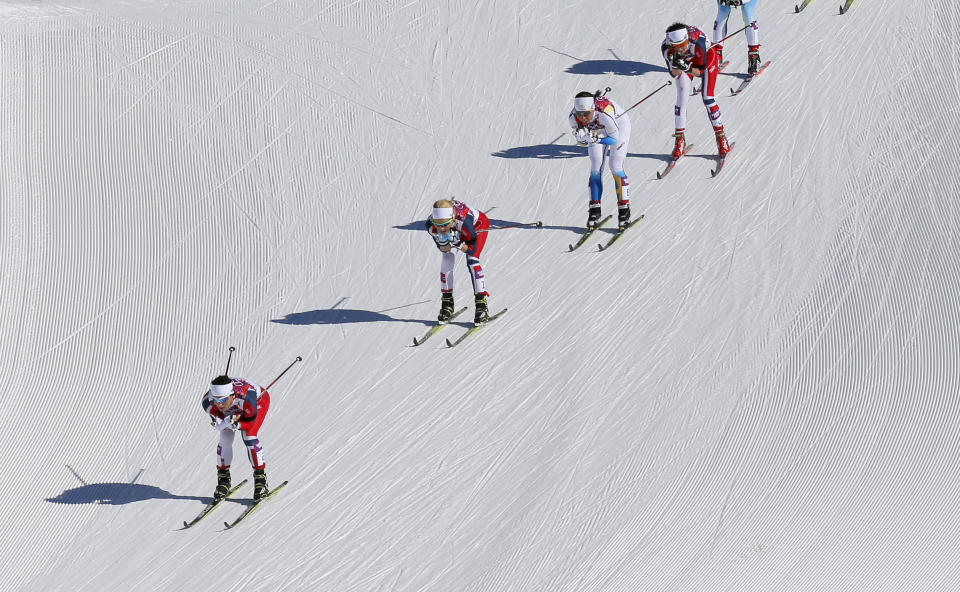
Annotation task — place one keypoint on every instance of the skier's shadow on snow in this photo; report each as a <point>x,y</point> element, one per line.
<point>552,151</point>
<point>617,67</point>
<point>341,316</point>
<point>117,494</point>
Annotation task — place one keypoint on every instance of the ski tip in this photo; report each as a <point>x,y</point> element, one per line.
<point>713,173</point>
<point>658,175</point>
<point>539,224</point>
<point>185,525</point>
<point>449,343</point>
<point>570,247</point>
<point>227,525</point>
<point>600,247</point>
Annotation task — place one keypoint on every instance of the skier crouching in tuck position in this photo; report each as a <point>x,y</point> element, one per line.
<point>604,128</point>
<point>688,53</point>
<point>237,404</point>
<point>455,226</point>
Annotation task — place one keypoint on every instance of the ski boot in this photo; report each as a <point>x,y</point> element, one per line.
<point>481,315</point>
<point>223,484</point>
<point>722,146</point>
<point>623,215</point>
<point>446,307</point>
<point>593,216</point>
<point>680,144</point>
<point>259,484</point>
<point>753,60</point>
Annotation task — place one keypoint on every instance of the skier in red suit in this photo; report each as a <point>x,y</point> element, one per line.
<point>688,53</point>
<point>455,226</point>
<point>235,404</point>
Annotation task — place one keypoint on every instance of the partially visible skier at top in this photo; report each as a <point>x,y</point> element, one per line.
<point>747,9</point>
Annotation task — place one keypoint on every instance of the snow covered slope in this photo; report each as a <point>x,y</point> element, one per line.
<point>754,390</point>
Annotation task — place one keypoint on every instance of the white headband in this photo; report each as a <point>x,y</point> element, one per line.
<point>442,213</point>
<point>583,104</point>
<point>678,36</point>
<point>219,391</point>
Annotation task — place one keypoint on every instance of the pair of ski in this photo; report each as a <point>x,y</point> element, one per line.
<point>721,161</point>
<point>843,9</point>
<point>604,246</point>
<point>476,327</point>
<point>249,510</point>
<point>743,85</point>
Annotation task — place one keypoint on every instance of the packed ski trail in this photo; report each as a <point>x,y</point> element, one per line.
<point>752,390</point>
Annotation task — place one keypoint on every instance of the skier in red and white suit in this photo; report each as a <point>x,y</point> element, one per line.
<point>455,226</point>
<point>688,53</point>
<point>237,404</point>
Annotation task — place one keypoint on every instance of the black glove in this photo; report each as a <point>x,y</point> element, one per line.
<point>731,2</point>
<point>680,62</point>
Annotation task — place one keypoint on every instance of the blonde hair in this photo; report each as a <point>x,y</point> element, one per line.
<point>443,203</point>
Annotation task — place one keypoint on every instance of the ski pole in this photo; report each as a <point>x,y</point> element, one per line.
<point>664,85</point>
<point>299,359</point>
<point>229,357</point>
<point>538,224</point>
<point>729,36</point>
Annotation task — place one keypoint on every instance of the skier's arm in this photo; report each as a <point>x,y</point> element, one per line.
<point>216,417</point>
<point>468,236</point>
<point>611,129</point>
<point>669,60</point>
<point>700,50</point>
<point>210,408</point>
<point>249,412</point>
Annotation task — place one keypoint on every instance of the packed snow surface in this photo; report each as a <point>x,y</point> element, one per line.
<point>754,390</point>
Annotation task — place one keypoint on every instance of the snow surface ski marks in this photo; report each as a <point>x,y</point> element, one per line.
<point>774,344</point>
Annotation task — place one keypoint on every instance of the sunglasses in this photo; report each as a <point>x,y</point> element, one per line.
<point>219,400</point>
<point>443,223</point>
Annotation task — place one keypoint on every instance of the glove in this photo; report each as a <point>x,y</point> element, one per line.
<point>584,136</point>
<point>731,2</point>
<point>607,141</point>
<point>681,62</point>
<point>227,423</point>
